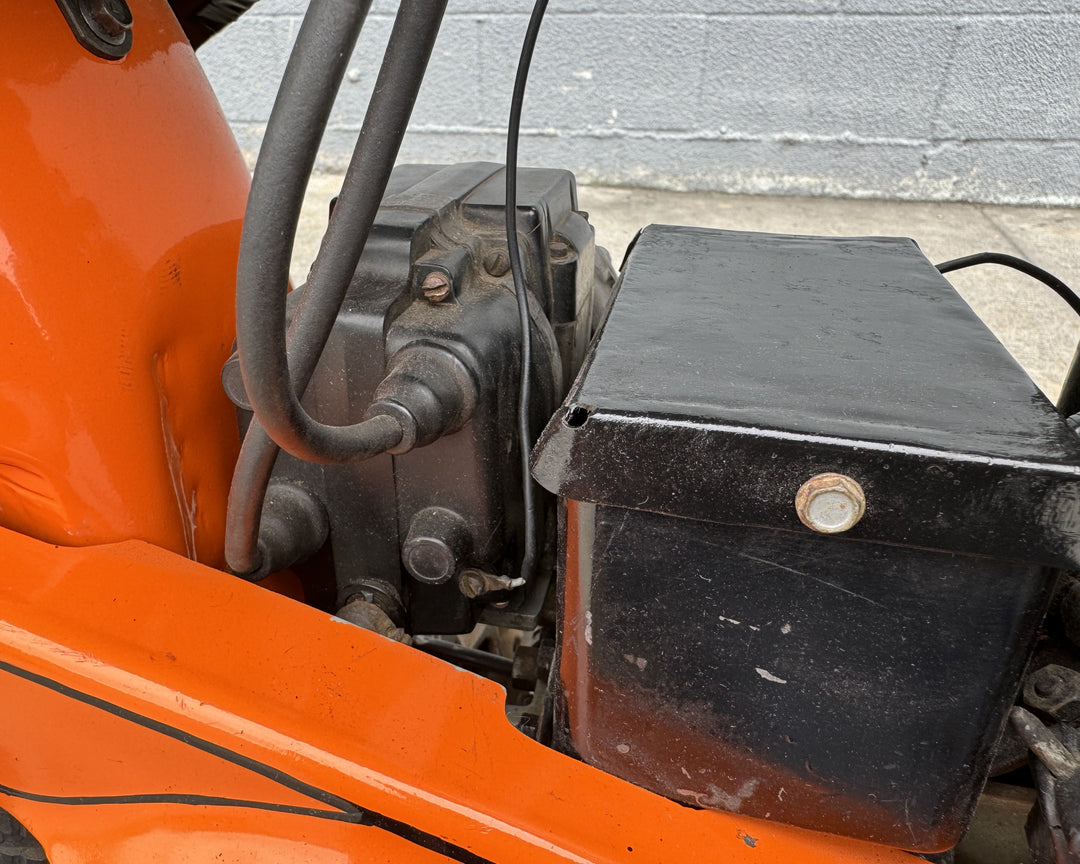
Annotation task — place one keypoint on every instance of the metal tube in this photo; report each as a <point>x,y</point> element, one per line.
<point>481,662</point>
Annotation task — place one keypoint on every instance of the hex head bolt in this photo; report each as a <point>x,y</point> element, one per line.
<point>830,503</point>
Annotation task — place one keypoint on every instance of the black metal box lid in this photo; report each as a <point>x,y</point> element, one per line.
<point>734,366</point>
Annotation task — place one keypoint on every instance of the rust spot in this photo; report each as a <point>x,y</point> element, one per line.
<point>746,838</point>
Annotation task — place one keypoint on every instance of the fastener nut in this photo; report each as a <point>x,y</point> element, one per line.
<point>560,250</point>
<point>830,503</point>
<point>110,19</point>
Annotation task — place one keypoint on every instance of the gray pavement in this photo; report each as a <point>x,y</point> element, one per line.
<point>1037,327</point>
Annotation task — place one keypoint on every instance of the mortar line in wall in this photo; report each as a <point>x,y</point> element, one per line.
<point>944,81</point>
<point>601,133</point>
<point>606,13</point>
<point>763,185</point>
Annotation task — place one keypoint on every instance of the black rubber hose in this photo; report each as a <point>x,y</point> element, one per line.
<point>302,107</point>
<point>260,328</point>
<point>1048,279</point>
<point>528,560</point>
<point>1068,402</point>
<point>354,212</point>
<point>246,497</point>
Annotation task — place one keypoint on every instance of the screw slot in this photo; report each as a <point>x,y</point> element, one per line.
<point>436,287</point>
<point>497,263</point>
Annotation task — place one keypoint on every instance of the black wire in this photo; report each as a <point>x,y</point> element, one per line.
<point>473,659</point>
<point>1049,279</point>
<point>1068,401</point>
<point>513,128</point>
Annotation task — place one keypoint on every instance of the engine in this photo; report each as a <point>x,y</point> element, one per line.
<point>803,517</point>
<point>428,538</point>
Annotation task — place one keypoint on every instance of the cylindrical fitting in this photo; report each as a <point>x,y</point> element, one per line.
<point>370,616</point>
<point>294,525</point>
<point>436,546</point>
<point>428,391</point>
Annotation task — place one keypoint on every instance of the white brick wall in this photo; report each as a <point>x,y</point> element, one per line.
<point>927,99</point>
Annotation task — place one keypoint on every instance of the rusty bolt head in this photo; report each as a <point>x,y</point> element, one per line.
<point>472,583</point>
<point>365,614</point>
<point>559,250</point>
<point>111,19</point>
<point>830,503</point>
<point>1046,682</point>
<point>436,287</point>
<point>1045,687</point>
<point>497,263</point>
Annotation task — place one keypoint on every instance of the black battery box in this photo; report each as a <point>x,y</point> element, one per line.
<point>812,511</point>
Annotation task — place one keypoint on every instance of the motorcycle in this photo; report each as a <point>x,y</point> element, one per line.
<point>471,547</point>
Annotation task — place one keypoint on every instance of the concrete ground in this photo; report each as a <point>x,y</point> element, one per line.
<point>1037,327</point>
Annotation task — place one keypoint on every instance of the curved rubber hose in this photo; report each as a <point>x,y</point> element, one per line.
<point>309,86</point>
<point>1068,402</point>
<point>264,362</point>
<point>275,227</point>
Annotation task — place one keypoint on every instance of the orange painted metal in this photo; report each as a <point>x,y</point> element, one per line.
<point>355,715</point>
<point>179,834</point>
<point>121,198</point>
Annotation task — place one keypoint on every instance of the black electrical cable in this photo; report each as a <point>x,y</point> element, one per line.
<point>528,560</point>
<point>1049,279</point>
<point>1068,402</point>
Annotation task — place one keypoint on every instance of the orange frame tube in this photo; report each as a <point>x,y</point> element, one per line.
<point>122,200</point>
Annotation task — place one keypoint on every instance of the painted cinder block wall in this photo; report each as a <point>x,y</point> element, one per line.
<point>972,100</point>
